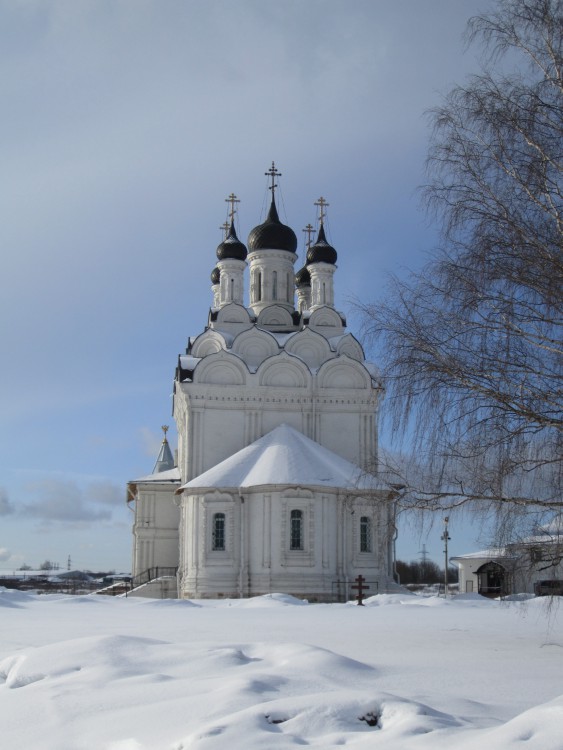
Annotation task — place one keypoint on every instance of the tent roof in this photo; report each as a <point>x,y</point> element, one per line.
<point>285,457</point>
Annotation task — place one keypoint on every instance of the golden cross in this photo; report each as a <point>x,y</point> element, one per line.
<point>309,229</point>
<point>225,229</point>
<point>232,199</point>
<point>164,429</point>
<point>322,204</point>
<point>273,173</point>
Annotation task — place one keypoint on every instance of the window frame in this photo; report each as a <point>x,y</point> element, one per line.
<point>221,544</point>
<point>296,538</point>
<point>366,534</point>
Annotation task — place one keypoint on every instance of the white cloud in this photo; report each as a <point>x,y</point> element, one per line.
<point>5,554</point>
<point>63,500</point>
<point>104,493</point>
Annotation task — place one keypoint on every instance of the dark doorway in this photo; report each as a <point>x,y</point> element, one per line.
<point>493,580</point>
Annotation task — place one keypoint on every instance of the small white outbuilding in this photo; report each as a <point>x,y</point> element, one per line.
<point>531,565</point>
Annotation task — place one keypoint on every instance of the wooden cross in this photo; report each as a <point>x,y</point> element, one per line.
<point>322,204</point>
<point>361,586</point>
<point>272,173</point>
<point>232,199</point>
<point>309,229</point>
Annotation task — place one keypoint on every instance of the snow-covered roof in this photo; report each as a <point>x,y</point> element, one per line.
<point>543,539</point>
<point>285,457</point>
<point>335,340</point>
<point>484,554</point>
<point>24,574</point>
<point>281,338</point>
<point>373,370</point>
<point>513,548</point>
<point>187,362</point>
<point>172,475</point>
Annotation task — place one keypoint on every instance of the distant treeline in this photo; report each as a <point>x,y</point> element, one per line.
<point>424,572</point>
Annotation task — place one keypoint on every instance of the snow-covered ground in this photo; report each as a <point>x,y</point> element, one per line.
<point>402,673</point>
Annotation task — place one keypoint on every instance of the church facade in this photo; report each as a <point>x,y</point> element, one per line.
<point>276,486</point>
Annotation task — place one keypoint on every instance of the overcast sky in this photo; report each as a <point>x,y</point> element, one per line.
<point>125,124</point>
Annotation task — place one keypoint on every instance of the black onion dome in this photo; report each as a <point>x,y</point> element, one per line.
<point>215,275</point>
<point>272,234</point>
<point>303,277</point>
<point>231,247</point>
<point>321,251</point>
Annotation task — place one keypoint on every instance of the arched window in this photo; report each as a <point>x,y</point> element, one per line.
<point>324,293</point>
<point>296,530</point>
<point>258,286</point>
<point>274,285</point>
<point>218,532</point>
<point>365,534</point>
<point>288,287</point>
<point>232,289</point>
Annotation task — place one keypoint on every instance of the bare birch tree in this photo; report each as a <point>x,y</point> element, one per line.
<point>471,346</point>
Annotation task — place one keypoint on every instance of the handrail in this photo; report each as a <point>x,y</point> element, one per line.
<point>151,573</point>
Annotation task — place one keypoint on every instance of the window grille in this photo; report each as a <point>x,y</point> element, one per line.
<point>365,534</point>
<point>218,532</point>
<point>296,530</point>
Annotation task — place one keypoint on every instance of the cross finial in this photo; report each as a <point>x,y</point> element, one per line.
<point>232,199</point>
<point>272,173</point>
<point>164,429</point>
<point>322,204</point>
<point>225,229</point>
<point>309,230</point>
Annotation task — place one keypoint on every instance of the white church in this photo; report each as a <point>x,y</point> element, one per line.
<point>275,485</point>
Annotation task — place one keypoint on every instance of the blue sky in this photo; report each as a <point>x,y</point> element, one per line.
<point>126,123</point>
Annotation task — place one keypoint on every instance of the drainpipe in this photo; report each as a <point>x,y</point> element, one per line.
<point>393,546</point>
<point>242,550</point>
<point>396,576</point>
<point>345,545</point>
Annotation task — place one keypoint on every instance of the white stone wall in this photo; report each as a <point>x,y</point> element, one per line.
<point>258,558</point>
<point>322,288</point>
<point>271,279</point>
<point>231,281</point>
<point>155,527</point>
<point>243,380</point>
<point>227,407</point>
